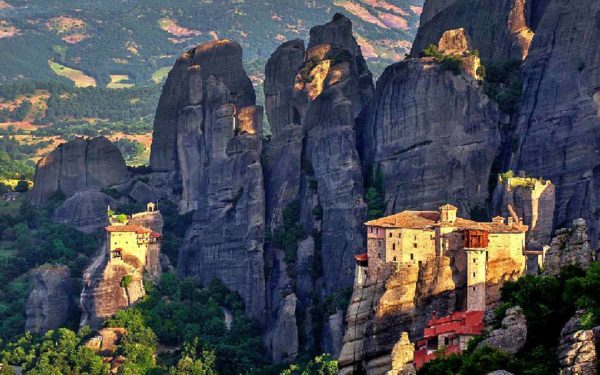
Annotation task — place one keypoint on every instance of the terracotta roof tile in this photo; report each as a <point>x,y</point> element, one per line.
<point>430,219</point>
<point>127,228</point>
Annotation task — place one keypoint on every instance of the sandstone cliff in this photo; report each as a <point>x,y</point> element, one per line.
<point>50,303</point>
<point>559,117</point>
<point>103,293</point>
<point>220,59</point>
<point>77,165</point>
<point>431,134</point>
<point>209,131</point>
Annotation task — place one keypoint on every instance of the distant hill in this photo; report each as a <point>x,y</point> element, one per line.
<point>119,43</point>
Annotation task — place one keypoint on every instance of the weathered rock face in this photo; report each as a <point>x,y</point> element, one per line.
<point>432,135</point>
<point>283,339</point>
<point>512,335</point>
<point>569,247</point>
<point>313,97</point>
<point>559,118</point>
<point>86,210</point>
<point>529,199</point>
<point>78,165</point>
<point>432,8</point>
<point>498,29</point>
<point>578,350</point>
<point>208,129</point>
<point>102,293</point>
<point>403,355</point>
<point>282,162</point>
<point>220,59</point>
<point>50,303</point>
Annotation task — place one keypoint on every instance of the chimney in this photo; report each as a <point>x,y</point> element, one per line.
<point>498,220</point>
<point>510,220</point>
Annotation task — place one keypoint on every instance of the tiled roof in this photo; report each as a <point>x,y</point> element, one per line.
<point>361,257</point>
<point>127,228</point>
<point>430,219</point>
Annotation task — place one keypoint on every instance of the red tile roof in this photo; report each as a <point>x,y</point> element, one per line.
<point>361,257</point>
<point>127,228</point>
<point>431,219</point>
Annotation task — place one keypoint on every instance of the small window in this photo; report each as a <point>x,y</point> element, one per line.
<point>473,274</point>
<point>412,256</point>
<point>415,238</point>
<point>474,260</point>
<point>398,234</point>
<point>415,245</point>
<point>473,288</point>
<point>390,234</point>
<point>394,246</point>
<point>394,259</point>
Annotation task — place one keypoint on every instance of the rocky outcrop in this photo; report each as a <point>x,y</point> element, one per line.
<point>50,303</point>
<point>569,247</point>
<point>578,349</point>
<point>219,59</point>
<point>283,339</point>
<point>103,291</point>
<point>512,335</point>
<point>498,29</point>
<point>403,355</point>
<point>559,117</point>
<point>530,200</point>
<point>86,210</point>
<point>78,165</point>
<point>432,135</point>
<point>208,130</point>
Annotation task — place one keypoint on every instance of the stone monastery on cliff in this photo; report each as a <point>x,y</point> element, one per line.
<point>410,238</point>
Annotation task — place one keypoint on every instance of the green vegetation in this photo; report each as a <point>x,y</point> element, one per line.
<point>159,75</point>
<point>503,83</point>
<point>449,63</point>
<point>78,77</point>
<point>14,159</point>
<point>515,181</point>
<point>29,239</point>
<point>126,281</point>
<point>57,352</point>
<point>320,365</point>
<point>179,313</point>
<point>287,238</point>
<point>17,114</point>
<point>548,303</point>
<point>374,195</point>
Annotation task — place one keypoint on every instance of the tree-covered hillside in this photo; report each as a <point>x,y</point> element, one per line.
<point>131,42</point>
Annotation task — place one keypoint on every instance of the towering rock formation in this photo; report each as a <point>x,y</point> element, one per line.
<point>50,303</point>
<point>208,130</point>
<point>431,134</point>
<point>498,28</point>
<point>313,97</point>
<point>220,59</point>
<point>77,165</point>
<point>560,117</point>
